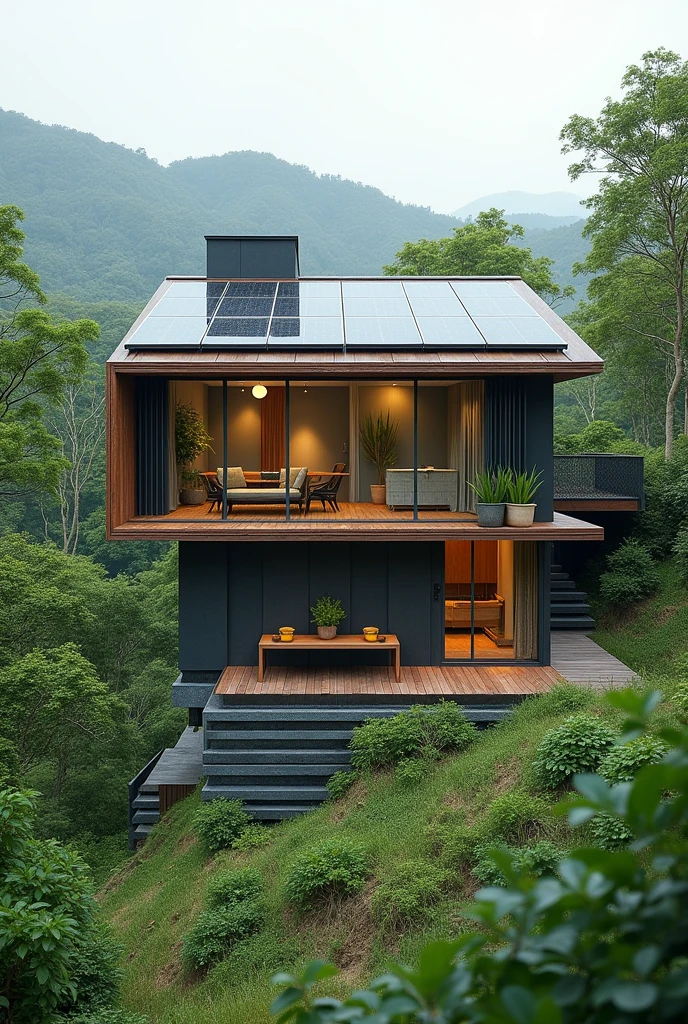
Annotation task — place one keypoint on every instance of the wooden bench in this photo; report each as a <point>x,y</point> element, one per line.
<point>311,642</point>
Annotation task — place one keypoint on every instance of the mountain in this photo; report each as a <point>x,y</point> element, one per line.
<point>554,204</point>
<point>104,222</point>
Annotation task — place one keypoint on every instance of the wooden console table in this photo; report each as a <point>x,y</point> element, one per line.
<point>312,642</point>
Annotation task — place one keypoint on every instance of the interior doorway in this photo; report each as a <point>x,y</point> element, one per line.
<point>479,600</point>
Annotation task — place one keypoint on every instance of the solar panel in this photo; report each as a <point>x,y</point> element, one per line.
<point>240,306</point>
<point>237,332</point>
<point>382,332</point>
<point>514,305</point>
<point>169,332</point>
<point>251,289</point>
<point>377,306</point>
<point>440,306</point>
<point>194,289</point>
<point>385,288</point>
<point>191,306</point>
<point>518,332</point>
<point>428,289</point>
<point>307,306</point>
<point>307,332</point>
<point>482,289</point>
<point>450,332</point>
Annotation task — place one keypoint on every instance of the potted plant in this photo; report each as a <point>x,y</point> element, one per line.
<point>327,613</point>
<point>379,441</point>
<point>520,507</point>
<point>491,488</point>
<point>191,439</point>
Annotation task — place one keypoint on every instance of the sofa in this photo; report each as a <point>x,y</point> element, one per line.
<point>436,488</point>
<point>239,493</point>
<point>488,614</point>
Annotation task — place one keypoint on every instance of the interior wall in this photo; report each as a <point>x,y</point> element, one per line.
<point>195,392</point>
<point>243,428</point>
<point>319,429</point>
<point>505,583</point>
<point>457,561</point>
<point>432,427</point>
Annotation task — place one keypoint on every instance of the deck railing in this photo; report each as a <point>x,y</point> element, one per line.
<point>599,476</point>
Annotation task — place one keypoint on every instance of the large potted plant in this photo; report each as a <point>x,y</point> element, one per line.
<point>491,488</point>
<point>191,439</point>
<point>379,441</point>
<point>327,613</point>
<point>520,507</point>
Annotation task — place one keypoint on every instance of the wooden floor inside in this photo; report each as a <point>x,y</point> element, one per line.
<point>470,682</point>
<point>458,645</point>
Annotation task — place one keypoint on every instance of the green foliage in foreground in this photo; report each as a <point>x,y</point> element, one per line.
<point>603,940</point>
<point>630,576</point>
<point>424,731</point>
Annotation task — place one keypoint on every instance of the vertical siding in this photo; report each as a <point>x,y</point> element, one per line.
<point>152,419</point>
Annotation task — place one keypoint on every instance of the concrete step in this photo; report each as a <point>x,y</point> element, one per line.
<point>300,713</point>
<point>559,576</point>
<point>278,812</point>
<point>141,831</point>
<point>555,568</point>
<point>148,789</point>
<point>334,758</point>
<point>147,802</point>
<point>569,595</point>
<point>277,736</point>
<point>265,794</point>
<point>279,771</point>
<point>583,622</point>
<point>146,817</point>
<point>563,585</point>
<point>568,609</point>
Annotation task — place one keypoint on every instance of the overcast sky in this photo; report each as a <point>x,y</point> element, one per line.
<point>436,102</point>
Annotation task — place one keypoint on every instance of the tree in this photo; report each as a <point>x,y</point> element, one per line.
<point>39,358</point>
<point>482,246</point>
<point>639,220</point>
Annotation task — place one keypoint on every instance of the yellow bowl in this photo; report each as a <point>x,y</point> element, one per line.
<point>287,634</point>
<point>370,633</point>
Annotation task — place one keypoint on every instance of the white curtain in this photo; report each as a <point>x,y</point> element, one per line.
<point>353,442</point>
<point>466,437</point>
<point>172,482</point>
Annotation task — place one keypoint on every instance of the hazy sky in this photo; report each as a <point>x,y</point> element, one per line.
<point>436,102</point>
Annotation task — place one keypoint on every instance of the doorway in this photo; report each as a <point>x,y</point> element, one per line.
<point>480,601</point>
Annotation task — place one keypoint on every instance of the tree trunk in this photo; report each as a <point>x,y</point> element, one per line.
<point>671,398</point>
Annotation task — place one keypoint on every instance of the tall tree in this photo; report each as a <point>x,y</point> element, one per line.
<point>39,358</point>
<point>483,246</point>
<point>639,220</point>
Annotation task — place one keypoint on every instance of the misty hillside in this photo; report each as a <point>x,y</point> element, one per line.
<point>552,204</point>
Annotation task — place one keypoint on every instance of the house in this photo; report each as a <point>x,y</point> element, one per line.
<point>283,371</point>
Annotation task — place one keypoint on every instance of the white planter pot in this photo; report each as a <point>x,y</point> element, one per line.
<point>519,515</point>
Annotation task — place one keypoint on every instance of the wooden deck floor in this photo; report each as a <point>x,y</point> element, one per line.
<point>418,682</point>
<point>580,660</point>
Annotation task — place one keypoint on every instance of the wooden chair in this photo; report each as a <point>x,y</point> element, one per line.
<point>213,490</point>
<point>327,492</point>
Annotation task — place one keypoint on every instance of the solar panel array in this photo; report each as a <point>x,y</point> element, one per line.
<point>374,314</point>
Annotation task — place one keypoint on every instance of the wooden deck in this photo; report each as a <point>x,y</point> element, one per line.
<point>355,520</point>
<point>580,660</point>
<point>471,683</point>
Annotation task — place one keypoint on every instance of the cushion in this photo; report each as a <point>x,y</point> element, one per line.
<point>293,473</point>
<point>235,476</point>
<point>300,477</point>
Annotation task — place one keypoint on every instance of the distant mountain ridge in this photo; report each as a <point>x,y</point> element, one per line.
<point>107,223</point>
<point>553,204</point>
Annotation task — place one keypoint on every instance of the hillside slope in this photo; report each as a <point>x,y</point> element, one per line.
<point>158,895</point>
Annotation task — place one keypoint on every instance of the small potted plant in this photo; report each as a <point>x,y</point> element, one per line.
<point>379,441</point>
<point>191,439</point>
<point>520,507</point>
<point>491,488</point>
<point>327,613</point>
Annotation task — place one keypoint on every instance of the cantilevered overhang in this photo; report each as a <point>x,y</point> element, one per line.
<point>407,327</point>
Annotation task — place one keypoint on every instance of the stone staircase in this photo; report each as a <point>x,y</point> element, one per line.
<point>146,807</point>
<point>277,758</point>
<point>569,608</point>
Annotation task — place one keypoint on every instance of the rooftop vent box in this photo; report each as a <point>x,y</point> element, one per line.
<point>252,256</point>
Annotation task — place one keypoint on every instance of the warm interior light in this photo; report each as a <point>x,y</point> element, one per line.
<point>259,391</point>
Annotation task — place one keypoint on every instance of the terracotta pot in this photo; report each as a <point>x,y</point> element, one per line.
<point>192,496</point>
<point>520,515</point>
<point>491,514</point>
<point>327,632</point>
<point>378,494</point>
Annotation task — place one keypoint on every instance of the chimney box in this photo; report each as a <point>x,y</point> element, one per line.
<point>252,256</point>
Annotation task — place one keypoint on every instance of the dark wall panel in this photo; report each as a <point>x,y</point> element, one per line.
<point>329,567</point>
<point>251,257</point>
<point>539,441</point>
<point>285,592</point>
<point>202,606</point>
<point>245,590</point>
<point>152,427</point>
<point>411,603</point>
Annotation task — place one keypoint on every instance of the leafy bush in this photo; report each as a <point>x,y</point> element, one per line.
<point>408,894</point>
<point>219,823</point>
<point>630,575</point>
<point>217,930</point>
<point>681,555</point>
<point>623,762</point>
<point>515,816</point>
<point>231,887</point>
<point>9,763</point>
<point>264,951</point>
<point>96,972</point>
<point>576,746</point>
<point>411,771</point>
<point>339,783</point>
<point>332,867</point>
<point>539,859</point>
<point>610,832</point>
<point>252,838</point>
<point>423,731</point>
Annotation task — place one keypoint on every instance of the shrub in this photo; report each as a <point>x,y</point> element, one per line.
<point>219,822</point>
<point>411,771</point>
<point>408,894</point>
<point>539,859</point>
<point>217,930</point>
<point>252,838</point>
<point>231,887</point>
<point>622,762</point>
<point>339,783</point>
<point>265,951</point>
<point>96,972</point>
<point>576,746</point>
<point>610,832</point>
<point>423,731</point>
<point>681,555</point>
<point>515,816</point>
<point>630,575</point>
<point>332,867</point>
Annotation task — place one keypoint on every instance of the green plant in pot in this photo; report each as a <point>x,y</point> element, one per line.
<point>379,442</point>
<point>191,439</point>
<point>491,488</point>
<point>520,507</point>
<point>327,613</point>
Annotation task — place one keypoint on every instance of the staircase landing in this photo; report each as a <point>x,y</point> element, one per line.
<point>580,660</point>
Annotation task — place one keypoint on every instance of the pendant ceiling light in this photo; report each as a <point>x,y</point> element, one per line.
<point>259,391</point>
